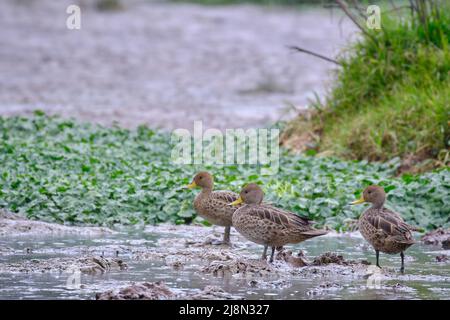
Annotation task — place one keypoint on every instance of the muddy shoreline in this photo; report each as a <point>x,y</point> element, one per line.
<point>182,250</point>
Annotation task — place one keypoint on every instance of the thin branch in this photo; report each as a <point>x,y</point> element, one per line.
<point>315,54</point>
<point>395,8</point>
<point>398,9</point>
<point>350,15</point>
<point>361,12</point>
<point>413,7</point>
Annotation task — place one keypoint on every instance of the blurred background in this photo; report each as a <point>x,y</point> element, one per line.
<point>167,63</point>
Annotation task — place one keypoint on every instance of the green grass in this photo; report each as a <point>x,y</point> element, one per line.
<point>77,173</point>
<point>391,97</point>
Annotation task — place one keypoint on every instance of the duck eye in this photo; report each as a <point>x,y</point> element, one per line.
<point>201,178</point>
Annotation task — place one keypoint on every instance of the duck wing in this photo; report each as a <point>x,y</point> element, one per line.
<point>281,217</point>
<point>388,212</point>
<point>224,196</point>
<point>392,224</point>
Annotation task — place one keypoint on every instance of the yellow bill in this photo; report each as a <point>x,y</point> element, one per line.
<point>360,200</point>
<point>238,201</point>
<point>191,185</point>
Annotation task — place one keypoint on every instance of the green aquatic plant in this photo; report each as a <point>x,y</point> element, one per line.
<point>78,173</point>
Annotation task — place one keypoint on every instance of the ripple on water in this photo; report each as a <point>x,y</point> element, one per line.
<point>179,267</point>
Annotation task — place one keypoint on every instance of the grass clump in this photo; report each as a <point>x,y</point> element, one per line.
<point>391,97</point>
<point>63,171</point>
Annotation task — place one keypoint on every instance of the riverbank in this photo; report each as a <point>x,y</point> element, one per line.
<point>391,94</point>
<point>173,262</point>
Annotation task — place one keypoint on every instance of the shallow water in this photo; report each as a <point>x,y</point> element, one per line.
<point>424,279</point>
<point>164,64</point>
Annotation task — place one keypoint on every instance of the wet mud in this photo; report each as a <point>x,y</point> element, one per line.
<point>15,225</point>
<point>88,265</point>
<point>160,291</point>
<point>439,236</point>
<point>180,262</point>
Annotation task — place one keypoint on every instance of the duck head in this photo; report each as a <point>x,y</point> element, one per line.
<point>203,180</point>
<point>373,194</point>
<point>250,194</point>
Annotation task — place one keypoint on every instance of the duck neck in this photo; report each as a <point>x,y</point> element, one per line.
<point>378,205</point>
<point>206,190</point>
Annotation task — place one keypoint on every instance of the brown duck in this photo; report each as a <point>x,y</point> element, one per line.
<point>267,225</point>
<point>213,205</point>
<point>384,229</point>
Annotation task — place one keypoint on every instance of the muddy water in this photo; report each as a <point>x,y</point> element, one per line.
<point>164,64</point>
<point>150,253</point>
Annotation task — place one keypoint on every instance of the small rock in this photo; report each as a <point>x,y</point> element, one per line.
<point>211,293</point>
<point>88,265</point>
<point>442,258</point>
<point>295,261</point>
<point>139,291</point>
<point>239,266</point>
<point>331,257</point>
<point>102,265</point>
<point>438,236</point>
<point>253,283</point>
<point>446,244</point>
<point>175,262</point>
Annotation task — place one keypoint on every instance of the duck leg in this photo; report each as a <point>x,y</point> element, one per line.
<point>226,235</point>
<point>377,253</point>
<point>271,255</point>
<point>264,255</point>
<point>225,240</point>
<point>402,269</point>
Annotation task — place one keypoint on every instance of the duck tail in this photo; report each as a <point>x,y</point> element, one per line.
<point>315,232</point>
<point>414,228</point>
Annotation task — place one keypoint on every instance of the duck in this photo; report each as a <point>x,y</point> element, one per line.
<point>384,229</point>
<point>268,225</point>
<point>213,205</point>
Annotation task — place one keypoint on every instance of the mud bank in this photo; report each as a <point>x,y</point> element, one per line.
<point>194,250</point>
<point>439,236</point>
<point>159,291</point>
<point>15,225</point>
<point>87,265</point>
<point>175,262</point>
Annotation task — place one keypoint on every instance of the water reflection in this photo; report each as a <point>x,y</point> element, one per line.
<point>424,278</point>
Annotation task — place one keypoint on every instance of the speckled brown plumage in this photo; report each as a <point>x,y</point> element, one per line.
<point>214,206</point>
<point>270,226</point>
<point>384,229</point>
